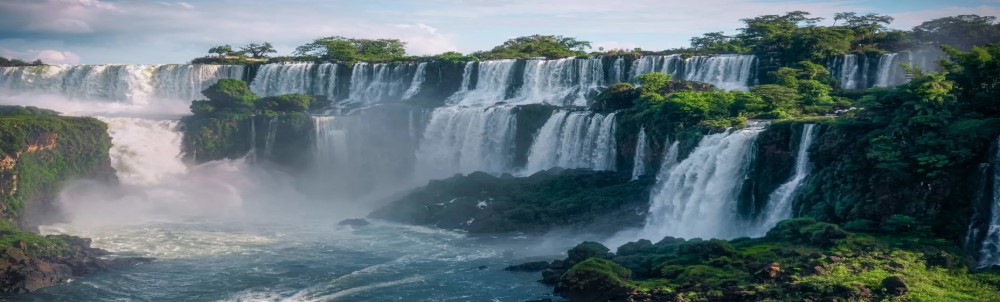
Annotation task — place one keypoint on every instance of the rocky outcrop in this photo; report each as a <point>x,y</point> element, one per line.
<point>595,201</point>
<point>21,271</point>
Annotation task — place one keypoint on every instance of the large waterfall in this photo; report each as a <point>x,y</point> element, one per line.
<point>640,158</point>
<point>143,151</point>
<point>562,82</point>
<point>467,139</point>
<point>779,205</point>
<point>989,254</point>
<point>137,85</point>
<point>574,139</point>
<point>730,72</point>
<point>848,72</point>
<point>305,78</point>
<point>484,83</point>
<point>697,197</point>
<point>889,72</point>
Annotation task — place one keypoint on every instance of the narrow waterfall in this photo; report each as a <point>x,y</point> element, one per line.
<point>252,154</point>
<point>492,79</point>
<point>697,197</point>
<point>375,83</point>
<point>574,139</point>
<point>138,85</point>
<point>990,250</point>
<point>729,72</point>
<point>889,72</point>
<point>288,78</point>
<point>272,136</point>
<point>779,204</point>
<point>464,140</point>
<point>639,160</point>
<point>617,72</point>
<point>563,82</point>
<point>145,151</point>
<point>849,72</point>
<point>418,80</point>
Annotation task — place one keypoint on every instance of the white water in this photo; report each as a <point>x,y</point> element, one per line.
<point>563,82</point>
<point>144,152</point>
<point>850,73</point>
<point>287,78</point>
<point>467,139</point>
<point>889,72</point>
<point>697,197</point>
<point>639,160</point>
<point>779,204</point>
<point>375,83</point>
<point>729,72</point>
<point>417,82</point>
<point>990,250</point>
<point>574,139</point>
<point>130,85</point>
<point>492,80</point>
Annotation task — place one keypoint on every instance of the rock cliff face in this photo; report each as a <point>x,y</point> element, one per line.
<point>40,152</point>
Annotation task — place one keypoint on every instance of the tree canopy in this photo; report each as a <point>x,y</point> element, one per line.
<point>534,46</point>
<point>351,50</point>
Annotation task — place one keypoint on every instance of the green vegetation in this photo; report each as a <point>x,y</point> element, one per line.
<point>250,53</point>
<point>551,47</point>
<point>5,62</point>
<point>352,50</point>
<point>799,259</point>
<point>31,244</point>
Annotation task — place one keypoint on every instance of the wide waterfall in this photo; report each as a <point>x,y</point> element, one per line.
<point>890,73</point>
<point>779,205</point>
<point>418,80</point>
<point>563,82</point>
<point>138,85</point>
<point>989,253</point>
<point>848,72</point>
<point>574,139</point>
<point>484,83</point>
<point>465,140</point>
<point>729,72</point>
<point>640,158</point>
<point>304,78</point>
<point>375,83</point>
<point>697,197</point>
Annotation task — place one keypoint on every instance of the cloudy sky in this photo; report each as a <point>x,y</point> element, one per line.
<point>153,32</point>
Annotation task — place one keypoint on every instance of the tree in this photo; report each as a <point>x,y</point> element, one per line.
<point>653,82</point>
<point>223,50</point>
<point>961,32</point>
<point>350,49</point>
<point>286,103</point>
<point>716,42</point>
<point>230,93</point>
<point>537,46</point>
<point>258,50</point>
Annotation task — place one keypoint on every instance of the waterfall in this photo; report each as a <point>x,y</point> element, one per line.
<point>889,72</point>
<point>491,82</point>
<point>779,204</point>
<point>272,135</point>
<point>375,83</point>
<point>849,72</point>
<point>563,82</point>
<point>729,72</point>
<point>697,197</point>
<point>617,71</point>
<point>574,139</point>
<point>137,85</point>
<point>990,250</point>
<point>639,160</point>
<point>418,80</point>
<point>252,154</point>
<point>464,140</point>
<point>288,78</point>
<point>144,151</point>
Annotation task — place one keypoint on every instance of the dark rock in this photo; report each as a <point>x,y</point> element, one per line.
<point>20,273</point>
<point>551,277</point>
<point>528,267</point>
<point>894,286</point>
<point>354,222</point>
<point>482,267</point>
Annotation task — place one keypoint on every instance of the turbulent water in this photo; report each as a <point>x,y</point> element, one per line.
<point>779,204</point>
<point>730,72</point>
<point>990,250</point>
<point>697,197</point>
<point>172,86</point>
<point>641,154</point>
<point>465,140</point>
<point>574,139</point>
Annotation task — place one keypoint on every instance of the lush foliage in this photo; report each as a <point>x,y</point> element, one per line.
<point>961,32</point>
<point>337,48</point>
<point>15,62</point>
<point>535,46</point>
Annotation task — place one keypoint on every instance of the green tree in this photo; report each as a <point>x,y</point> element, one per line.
<point>716,42</point>
<point>653,82</point>
<point>961,32</point>
<point>223,50</point>
<point>230,93</point>
<point>258,50</point>
<point>537,46</point>
<point>286,103</point>
<point>352,50</point>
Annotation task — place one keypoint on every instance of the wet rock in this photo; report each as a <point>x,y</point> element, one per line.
<point>528,267</point>
<point>21,273</point>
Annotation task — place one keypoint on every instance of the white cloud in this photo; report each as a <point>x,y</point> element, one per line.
<point>49,56</point>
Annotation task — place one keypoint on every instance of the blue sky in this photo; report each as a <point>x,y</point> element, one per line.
<point>155,32</point>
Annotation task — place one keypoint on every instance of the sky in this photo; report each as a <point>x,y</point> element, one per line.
<point>162,32</point>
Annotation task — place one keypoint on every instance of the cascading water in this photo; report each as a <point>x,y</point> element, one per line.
<point>779,205</point>
<point>989,253</point>
<point>697,197</point>
<point>563,82</point>
<point>288,78</point>
<point>849,72</point>
<point>137,85</point>
<point>272,135</point>
<point>418,80</point>
<point>375,83</point>
<point>144,151</point>
<point>729,72</point>
<point>889,72</point>
<point>639,160</point>
<point>492,79</point>
<point>464,140</point>
<point>574,139</point>
<point>670,64</point>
